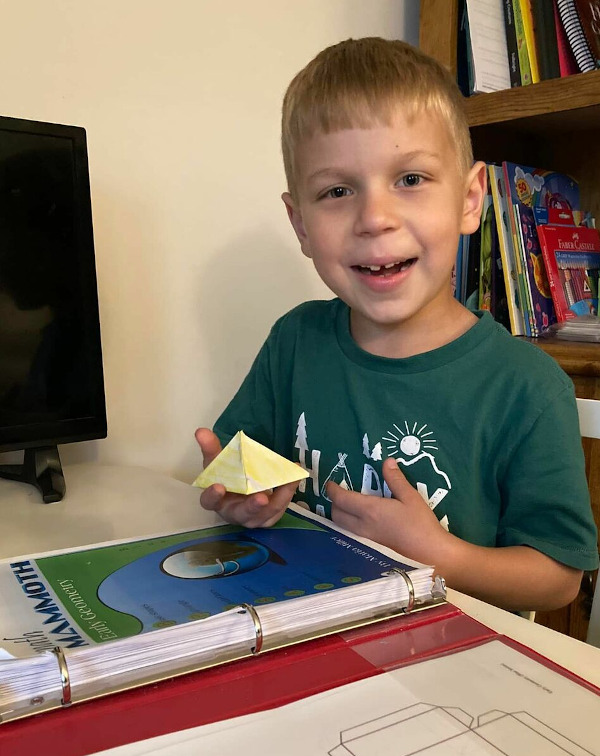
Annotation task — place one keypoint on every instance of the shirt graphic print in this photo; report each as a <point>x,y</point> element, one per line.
<point>411,443</point>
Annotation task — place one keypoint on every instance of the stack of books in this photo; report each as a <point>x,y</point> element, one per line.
<point>534,263</point>
<point>513,43</point>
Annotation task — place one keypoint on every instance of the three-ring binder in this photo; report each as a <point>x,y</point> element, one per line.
<point>411,588</point>
<point>258,632</point>
<point>65,679</point>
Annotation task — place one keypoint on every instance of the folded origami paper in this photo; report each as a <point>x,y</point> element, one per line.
<point>244,466</point>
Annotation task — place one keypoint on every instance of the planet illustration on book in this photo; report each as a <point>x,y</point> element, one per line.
<point>217,559</point>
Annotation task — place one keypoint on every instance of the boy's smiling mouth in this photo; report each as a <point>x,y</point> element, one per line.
<point>390,269</point>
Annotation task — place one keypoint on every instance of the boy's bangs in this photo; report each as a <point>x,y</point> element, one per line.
<point>351,110</point>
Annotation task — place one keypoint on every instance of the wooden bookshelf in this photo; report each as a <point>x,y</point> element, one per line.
<point>553,124</point>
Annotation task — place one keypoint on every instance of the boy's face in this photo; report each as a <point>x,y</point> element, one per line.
<point>379,211</point>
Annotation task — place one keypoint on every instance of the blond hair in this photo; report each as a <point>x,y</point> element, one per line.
<point>359,83</point>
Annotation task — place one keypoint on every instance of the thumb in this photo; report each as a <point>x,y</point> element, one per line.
<point>396,480</point>
<point>209,444</point>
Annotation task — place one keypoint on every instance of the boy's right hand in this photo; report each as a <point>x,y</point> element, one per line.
<point>259,510</point>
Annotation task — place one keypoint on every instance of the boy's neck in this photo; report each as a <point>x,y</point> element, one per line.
<point>416,336</point>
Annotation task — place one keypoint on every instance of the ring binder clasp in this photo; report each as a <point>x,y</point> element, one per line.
<point>257,627</point>
<point>411,589</point>
<point>65,680</point>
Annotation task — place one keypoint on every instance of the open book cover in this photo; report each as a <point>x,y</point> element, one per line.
<point>122,614</point>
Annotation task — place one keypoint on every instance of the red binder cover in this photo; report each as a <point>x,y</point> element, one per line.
<point>250,685</point>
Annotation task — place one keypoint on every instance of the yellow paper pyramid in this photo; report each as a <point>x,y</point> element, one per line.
<point>244,466</point>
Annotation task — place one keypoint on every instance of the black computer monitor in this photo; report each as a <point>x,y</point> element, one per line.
<point>51,378</point>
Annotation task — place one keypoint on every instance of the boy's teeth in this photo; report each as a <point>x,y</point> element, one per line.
<point>399,265</point>
<point>376,268</point>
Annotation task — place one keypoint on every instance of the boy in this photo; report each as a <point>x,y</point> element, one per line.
<point>424,426</point>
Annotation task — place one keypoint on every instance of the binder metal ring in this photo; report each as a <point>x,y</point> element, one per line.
<point>411,589</point>
<point>65,680</point>
<point>257,627</point>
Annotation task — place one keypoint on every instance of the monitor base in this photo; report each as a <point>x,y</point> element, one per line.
<point>41,468</point>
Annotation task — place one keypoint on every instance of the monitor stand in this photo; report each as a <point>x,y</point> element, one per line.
<point>40,468</point>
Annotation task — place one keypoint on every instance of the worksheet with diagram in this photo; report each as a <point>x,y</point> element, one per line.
<point>490,700</point>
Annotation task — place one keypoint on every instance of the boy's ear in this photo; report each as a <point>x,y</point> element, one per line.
<point>296,221</point>
<point>475,190</point>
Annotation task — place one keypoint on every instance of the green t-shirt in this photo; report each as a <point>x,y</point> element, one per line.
<point>485,427</point>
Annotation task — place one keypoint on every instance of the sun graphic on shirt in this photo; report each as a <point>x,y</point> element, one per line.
<point>409,442</point>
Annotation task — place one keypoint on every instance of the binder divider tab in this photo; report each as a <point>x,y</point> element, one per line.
<point>258,632</point>
<point>65,679</point>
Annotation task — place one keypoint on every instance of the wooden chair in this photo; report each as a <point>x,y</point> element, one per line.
<point>589,422</point>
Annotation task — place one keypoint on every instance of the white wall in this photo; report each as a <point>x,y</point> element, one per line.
<point>195,258</point>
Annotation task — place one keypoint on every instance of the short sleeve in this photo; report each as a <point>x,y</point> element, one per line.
<point>545,496</point>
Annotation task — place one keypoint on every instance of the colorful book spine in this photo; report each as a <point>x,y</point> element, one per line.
<point>485,253</point>
<point>509,267</point>
<point>540,297</point>
<point>578,43</point>
<point>524,63</point>
<point>525,287</point>
<point>527,18</point>
<point>511,44</point>
<point>514,232</point>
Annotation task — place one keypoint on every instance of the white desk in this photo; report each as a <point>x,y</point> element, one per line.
<point>105,503</point>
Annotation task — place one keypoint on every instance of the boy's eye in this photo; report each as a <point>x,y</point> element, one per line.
<point>411,179</point>
<point>337,191</point>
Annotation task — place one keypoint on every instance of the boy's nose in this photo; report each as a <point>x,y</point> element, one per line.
<point>377,214</point>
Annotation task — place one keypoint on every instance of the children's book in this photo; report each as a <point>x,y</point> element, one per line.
<point>122,614</point>
<point>472,263</point>
<point>505,239</point>
<point>485,252</point>
<point>527,20</point>
<point>572,259</point>
<point>540,297</point>
<point>499,300</point>
<point>529,188</point>
<point>524,62</point>
<point>511,43</point>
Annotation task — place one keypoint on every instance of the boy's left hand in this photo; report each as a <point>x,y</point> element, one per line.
<point>404,523</point>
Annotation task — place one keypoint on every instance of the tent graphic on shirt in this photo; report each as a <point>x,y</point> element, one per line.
<point>339,475</point>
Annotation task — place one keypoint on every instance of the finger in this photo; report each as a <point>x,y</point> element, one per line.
<point>396,480</point>
<point>265,514</point>
<point>212,497</point>
<point>345,520</point>
<point>209,444</point>
<point>282,495</point>
<point>351,502</point>
<point>255,511</point>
